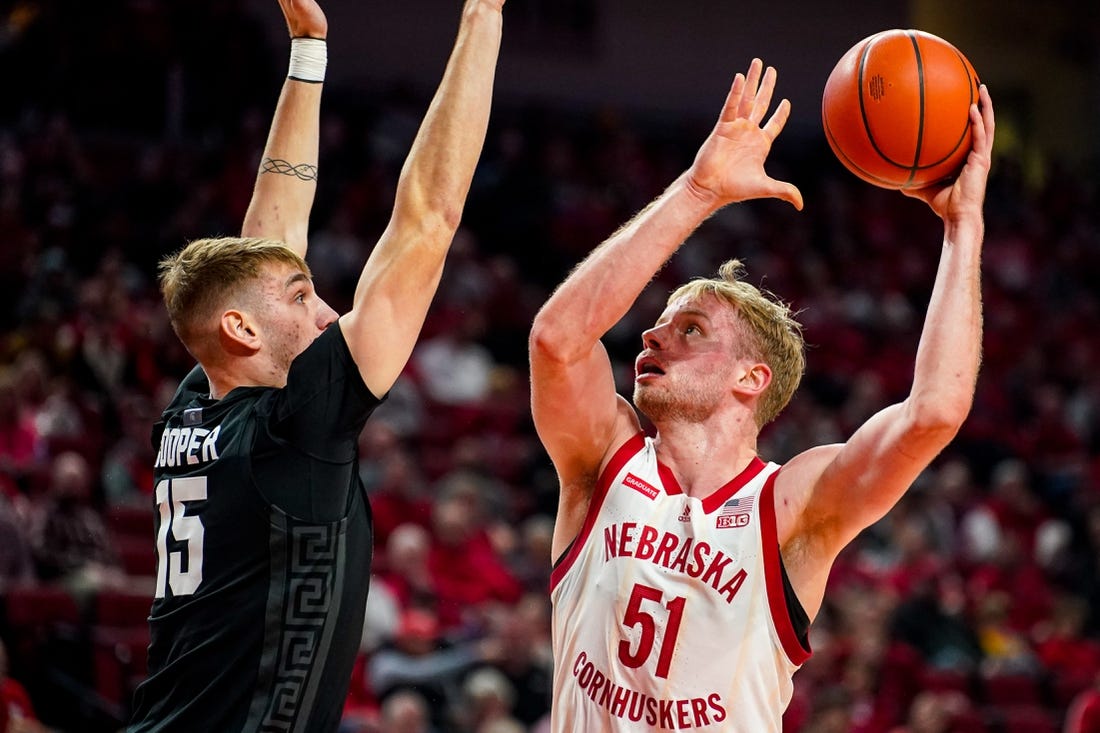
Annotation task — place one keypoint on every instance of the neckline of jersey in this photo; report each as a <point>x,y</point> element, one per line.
<point>719,496</point>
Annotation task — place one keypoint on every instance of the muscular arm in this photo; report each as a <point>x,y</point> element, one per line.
<point>852,486</point>
<point>402,273</point>
<point>578,415</point>
<point>287,179</point>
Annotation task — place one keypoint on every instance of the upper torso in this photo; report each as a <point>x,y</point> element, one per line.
<point>263,544</point>
<point>669,610</point>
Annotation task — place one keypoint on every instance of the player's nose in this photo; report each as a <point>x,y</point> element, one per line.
<point>651,338</point>
<point>326,316</point>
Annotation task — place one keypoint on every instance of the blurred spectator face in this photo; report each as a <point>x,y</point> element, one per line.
<point>417,632</point>
<point>407,549</point>
<point>538,536</point>
<point>377,439</point>
<point>453,522</point>
<point>928,714</point>
<point>1010,483</point>
<point>405,712</point>
<point>9,405</point>
<point>490,694</point>
<point>70,477</point>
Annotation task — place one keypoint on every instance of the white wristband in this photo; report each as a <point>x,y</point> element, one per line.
<point>308,59</point>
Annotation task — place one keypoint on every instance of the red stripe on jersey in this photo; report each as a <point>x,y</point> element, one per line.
<point>625,452</point>
<point>668,479</point>
<point>773,577</point>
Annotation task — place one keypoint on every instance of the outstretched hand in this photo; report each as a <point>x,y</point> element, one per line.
<point>965,194</point>
<point>730,164</point>
<point>304,18</point>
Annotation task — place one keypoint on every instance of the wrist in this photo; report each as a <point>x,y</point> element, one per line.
<point>700,195</point>
<point>308,60</point>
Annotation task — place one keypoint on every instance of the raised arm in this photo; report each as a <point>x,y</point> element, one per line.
<point>826,496</point>
<point>287,179</point>
<point>578,414</point>
<point>401,275</point>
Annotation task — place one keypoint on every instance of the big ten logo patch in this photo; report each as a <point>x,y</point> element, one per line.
<point>728,521</point>
<point>735,513</point>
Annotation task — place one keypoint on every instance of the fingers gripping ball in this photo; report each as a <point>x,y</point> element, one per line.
<point>896,109</point>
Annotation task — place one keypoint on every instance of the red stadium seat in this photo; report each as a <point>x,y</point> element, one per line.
<point>122,609</point>
<point>1027,719</point>
<point>120,641</point>
<point>969,720</point>
<point>1011,689</point>
<point>39,606</point>
<point>130,521</point>
<point>946,680</point>
<point>119,662</point>
<point>137,555</point>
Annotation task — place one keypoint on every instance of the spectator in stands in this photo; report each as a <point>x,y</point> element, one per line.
<point>20,446</point>
<point>467,573</point>
<point>524,630</point>
<point>487,699</point>
<point>16,564</point>
<point>398,494</point>
<point>1083,715</point>
<point>16,711</point>
<point>69,539</point>
<point>932,712</point>
<point>406,711</point>
<point>420,657</point>
<point>405,571</point>
<point>933,619</point>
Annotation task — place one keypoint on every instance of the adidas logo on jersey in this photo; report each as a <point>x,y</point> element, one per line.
<point>685,516</point>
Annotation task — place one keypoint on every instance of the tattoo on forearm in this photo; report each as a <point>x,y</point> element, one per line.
<point>301,171</point>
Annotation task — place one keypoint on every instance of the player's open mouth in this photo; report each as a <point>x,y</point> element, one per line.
<point>648,368</point>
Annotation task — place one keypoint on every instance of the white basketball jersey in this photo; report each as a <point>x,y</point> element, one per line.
<point>669,611</point>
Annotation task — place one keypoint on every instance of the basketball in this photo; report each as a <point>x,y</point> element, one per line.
<point>896,109</point>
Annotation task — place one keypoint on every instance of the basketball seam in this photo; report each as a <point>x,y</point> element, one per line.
<point>920,114</point>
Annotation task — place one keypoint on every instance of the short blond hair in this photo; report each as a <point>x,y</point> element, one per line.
<point>205,275</point>
<point>772,333</point>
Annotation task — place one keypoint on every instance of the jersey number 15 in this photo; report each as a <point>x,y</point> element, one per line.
<point>174,522</point>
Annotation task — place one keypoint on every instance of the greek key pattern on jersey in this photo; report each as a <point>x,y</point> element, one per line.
<point>305,588</point>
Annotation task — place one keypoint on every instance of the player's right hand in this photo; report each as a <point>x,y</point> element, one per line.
<point>304,18</point>
<point>730,164</point>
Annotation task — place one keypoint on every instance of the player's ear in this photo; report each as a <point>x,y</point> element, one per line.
<point>753,378</point>
<point>239,333</point>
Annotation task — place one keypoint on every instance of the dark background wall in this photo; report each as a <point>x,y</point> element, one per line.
<point>1041,60</point>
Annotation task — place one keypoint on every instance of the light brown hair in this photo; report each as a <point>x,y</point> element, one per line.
<point>204,276</point>
<point>771,332</point>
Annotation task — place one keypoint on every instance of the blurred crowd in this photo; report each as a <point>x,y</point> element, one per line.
<point>973,606</point>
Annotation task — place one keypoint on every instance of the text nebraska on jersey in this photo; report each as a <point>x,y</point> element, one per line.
<point>191,446</point>
<point>676,553</point>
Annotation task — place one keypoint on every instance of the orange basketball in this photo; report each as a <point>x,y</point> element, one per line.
<point>896,109</point>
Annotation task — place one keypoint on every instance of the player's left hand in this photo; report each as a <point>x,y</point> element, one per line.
<point>304,18</point>
<point>965,195</point>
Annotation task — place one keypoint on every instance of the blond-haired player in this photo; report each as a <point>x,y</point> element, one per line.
<point>688,568</point>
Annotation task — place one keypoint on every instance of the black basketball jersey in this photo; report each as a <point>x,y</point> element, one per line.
<point>263,538</point>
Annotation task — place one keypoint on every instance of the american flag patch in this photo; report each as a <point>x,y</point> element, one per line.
<point>735,513</point>
<point>737,505</point>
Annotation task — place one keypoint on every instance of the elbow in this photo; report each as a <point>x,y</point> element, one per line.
<point>546,342</point>
<point>939,418</point>
<point>446,216</point>
<point>436,215</point>
<point>541,340</point>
